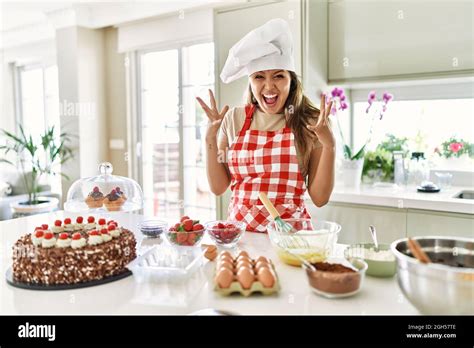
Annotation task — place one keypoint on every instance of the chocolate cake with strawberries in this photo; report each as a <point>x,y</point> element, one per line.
<point>71,253</point>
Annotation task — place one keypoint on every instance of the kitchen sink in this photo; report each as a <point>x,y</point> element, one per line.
<point>464,195</point>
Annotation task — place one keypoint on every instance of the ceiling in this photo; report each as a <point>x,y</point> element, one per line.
<point>18,14</point>
<point>92,14</point>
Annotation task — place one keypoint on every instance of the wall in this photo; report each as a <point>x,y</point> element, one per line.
<point>165,31</point>
<point>91,69</point>
<point>81,73</point>
<point>116,102</point>
<point>68,93</point>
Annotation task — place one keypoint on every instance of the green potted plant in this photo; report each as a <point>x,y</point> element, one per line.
<point>379,164</point>
<point>34,160</point>
<point>353,161</point>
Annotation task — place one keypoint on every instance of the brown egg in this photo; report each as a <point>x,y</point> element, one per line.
<point>266,277</point>
<point>244,263</point>
<point>261,264</point>
<point>226,259</point>
<point>210,248</point>
<point>210,255</point>
<point>211,252</point>
<point>225,265</point>
<point>245,277</point>
<point>243,253</point>
<point>224,278</point>
<point>240,258</point>
<point>225,253</point>
<point>263,259</point>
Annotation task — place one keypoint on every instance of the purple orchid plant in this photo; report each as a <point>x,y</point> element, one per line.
<point>339,103</point>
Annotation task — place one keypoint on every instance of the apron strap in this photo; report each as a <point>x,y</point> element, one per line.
<point>249,109</point>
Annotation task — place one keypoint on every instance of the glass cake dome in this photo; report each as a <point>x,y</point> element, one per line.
<point>104,193</point>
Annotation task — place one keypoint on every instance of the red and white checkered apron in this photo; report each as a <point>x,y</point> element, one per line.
<point>264,161</point>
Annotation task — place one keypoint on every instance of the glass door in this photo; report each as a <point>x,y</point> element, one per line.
<point>171,130</point>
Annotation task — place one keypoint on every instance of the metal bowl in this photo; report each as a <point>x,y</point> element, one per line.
<point>445,286</point>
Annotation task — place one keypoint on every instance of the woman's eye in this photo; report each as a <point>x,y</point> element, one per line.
<point>258,77</point>
<point>279,76</point>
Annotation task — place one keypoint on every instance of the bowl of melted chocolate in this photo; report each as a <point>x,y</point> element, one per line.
<point>334,280</point>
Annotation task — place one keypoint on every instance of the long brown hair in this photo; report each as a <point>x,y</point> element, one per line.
<point>299,112</point>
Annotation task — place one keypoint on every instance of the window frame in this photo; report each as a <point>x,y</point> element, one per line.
<point>135,89</point>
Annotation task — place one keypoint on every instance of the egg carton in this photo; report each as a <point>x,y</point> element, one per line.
<point>236,287</point>
<point>162,262</point>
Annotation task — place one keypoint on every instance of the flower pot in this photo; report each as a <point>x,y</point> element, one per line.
<point>46,205</point>
<point>352,171</point>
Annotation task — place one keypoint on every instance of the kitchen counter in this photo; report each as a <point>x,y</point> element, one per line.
<point>405,197</point>
<point>378,296</point>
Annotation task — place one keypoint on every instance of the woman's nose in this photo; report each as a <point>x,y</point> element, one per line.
<point>269,84</point>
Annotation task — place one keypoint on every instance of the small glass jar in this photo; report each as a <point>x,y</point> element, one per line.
<point>444,180</point>
<point>399,168</point>
<point>419,170</point>
<point>152,228</point>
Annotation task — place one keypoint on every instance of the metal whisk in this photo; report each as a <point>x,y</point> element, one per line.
<point>287,238</point>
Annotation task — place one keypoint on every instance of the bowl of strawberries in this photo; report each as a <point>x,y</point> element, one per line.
<point>187,232</point>
<point>226,233</point>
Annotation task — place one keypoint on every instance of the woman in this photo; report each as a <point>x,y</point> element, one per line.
<point>279,143</point>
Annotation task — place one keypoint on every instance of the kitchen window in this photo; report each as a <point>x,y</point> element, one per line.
<point>38,97</point>
<point>425,122</point>
<point>171,128</point>
<point>38,104</point>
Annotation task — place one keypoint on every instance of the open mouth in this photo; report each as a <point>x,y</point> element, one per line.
<point>270,99</point>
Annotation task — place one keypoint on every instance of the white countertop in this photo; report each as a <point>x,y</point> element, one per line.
<point>378,296</point>
<point>405,197</point>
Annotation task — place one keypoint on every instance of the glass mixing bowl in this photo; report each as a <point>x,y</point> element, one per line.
<point>311,240</point>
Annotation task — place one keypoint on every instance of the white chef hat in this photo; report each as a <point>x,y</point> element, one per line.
<point>264,48</point>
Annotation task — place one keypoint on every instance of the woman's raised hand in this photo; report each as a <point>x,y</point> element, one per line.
<point>214,116</point>
<point>322,128</point>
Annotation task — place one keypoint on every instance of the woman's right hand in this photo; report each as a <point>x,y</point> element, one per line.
<point>214,116</point>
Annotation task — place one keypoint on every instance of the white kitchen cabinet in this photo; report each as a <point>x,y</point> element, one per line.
<point>430,223</point>
<point>315,48</point>
<point>355,220</point>
<point>370,39</point>
<point>391,223</point>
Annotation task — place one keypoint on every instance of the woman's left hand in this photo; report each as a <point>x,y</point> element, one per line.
<point>322,128</point>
